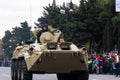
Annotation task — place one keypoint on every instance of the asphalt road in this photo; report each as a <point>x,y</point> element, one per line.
<point>5,75</point>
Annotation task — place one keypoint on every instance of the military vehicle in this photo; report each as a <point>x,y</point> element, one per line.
<point>49,57</point>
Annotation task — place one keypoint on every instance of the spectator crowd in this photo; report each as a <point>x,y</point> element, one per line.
<point>105,63</point>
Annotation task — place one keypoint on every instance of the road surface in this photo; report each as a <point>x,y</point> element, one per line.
<point>5,75</point>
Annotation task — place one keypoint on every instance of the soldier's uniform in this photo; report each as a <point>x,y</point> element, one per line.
<point>44,29</point>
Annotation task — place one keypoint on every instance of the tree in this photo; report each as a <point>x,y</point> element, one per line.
<point>50,15</point>
<point>7,44</point>
<point>116,31</point>
<point>12,38</point>
<point>105,19</point>
<point>22,33</point>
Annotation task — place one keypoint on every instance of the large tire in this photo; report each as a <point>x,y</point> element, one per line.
<point>65,77</point>
<point>19,70</point>
<point>14,70</point>
<point>20,77</point>
<point>24,74</point>
<point>81,75</point>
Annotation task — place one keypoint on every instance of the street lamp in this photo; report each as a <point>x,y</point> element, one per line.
<point>62,11</point>
<point>71,10</point>
<point>10,46</point>
<point>12,40</point>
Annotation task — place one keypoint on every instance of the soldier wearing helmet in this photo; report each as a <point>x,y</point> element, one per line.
<point>44,29</point>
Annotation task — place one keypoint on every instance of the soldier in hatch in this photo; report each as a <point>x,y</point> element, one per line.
<point>44,29</point>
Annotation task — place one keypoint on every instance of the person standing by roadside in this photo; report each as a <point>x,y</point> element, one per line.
<point>96,63</point>
<point>117,65</point>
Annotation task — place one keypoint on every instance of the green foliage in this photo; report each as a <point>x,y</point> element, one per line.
<point>12,38</point>
<point>22,33</point>
<point>7,44</point>
<point>51,16</point>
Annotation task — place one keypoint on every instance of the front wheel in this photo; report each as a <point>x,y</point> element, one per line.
<point>14,69</point>
<point>19,70</point>
<point>81,75</point>
<point>24,74</point>
<point>63,76</point>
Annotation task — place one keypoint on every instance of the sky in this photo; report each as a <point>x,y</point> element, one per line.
<point>117,5</point>
<point>13,12</point>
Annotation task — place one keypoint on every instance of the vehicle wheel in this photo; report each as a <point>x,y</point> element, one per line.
<point>24,74</point>
<point>20,69</point>
<point>14,70</point>
<point>65,77</point>
<point>82,75</point>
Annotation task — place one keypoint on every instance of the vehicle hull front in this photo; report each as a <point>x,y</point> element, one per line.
<point>56,62</point>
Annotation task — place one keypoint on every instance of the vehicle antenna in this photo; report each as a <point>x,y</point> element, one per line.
<point>30,7</point>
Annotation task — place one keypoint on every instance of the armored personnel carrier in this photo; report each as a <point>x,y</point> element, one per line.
<point>49,57</point>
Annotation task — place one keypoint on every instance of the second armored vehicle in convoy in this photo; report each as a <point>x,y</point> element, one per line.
<point>49,57</point>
